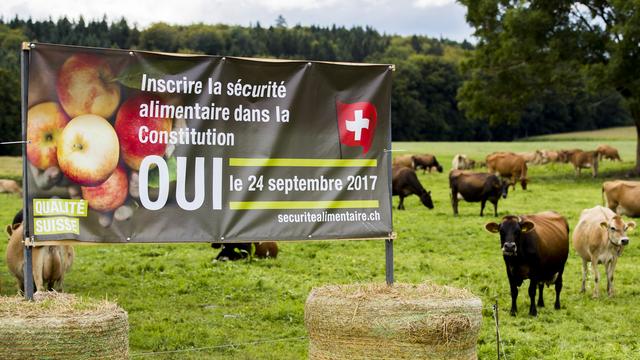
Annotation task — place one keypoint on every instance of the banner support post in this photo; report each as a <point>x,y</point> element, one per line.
<point>28,242</point>
<point>388,249</point>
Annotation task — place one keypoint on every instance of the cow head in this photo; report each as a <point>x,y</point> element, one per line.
<point>510,228</point>
<point>523,183</point>
<point>425,197</point>
<point>439,168</point>
<point>504,188</point>
<point>617,230</point>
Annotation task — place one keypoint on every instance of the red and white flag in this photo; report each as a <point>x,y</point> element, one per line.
<point>357,124</point>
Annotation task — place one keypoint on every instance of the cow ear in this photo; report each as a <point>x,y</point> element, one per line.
<point>9,230</point>
<point>527,226</point>
<point>492,227</point>
<point>631,225</point>
<point>604,225</point>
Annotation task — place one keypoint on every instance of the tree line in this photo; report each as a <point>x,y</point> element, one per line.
<point>430,72</point>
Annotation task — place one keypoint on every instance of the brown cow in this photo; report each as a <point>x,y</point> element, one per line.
<point>550,156</point>
<point>405,182</point>
<point>10,186</point>
<point>623,197</point>
<point>534,247</point>
<point>426,162</point>
<point>584,159</point>
<point>403,161</point>
<point>476,187</point>
<point>607,152</point>
<point>600,238</point>
<point>49,263</point>
<point>508,165</point>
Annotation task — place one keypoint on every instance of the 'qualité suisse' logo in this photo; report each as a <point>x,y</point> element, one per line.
<point>357,124</point>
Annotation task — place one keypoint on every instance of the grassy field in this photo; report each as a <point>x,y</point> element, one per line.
<point>184,306</point>
<point>616,133</point>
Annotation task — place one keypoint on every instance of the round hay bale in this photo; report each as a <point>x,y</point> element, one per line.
<point>62,326</point>
<point>403,321</point>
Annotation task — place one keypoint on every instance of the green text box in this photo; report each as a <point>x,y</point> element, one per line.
<point>55,207</point>
<point>56,225</point>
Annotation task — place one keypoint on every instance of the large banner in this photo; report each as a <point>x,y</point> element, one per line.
<point>129,146</point>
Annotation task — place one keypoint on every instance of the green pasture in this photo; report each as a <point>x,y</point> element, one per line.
<point>182,305</point>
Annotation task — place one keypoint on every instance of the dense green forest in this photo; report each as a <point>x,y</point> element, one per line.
<point>429,72</point>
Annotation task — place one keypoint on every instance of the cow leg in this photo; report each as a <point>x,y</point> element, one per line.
<point>540,297</point>
<point>37,263</point>
<point>596,276</point>
<point>584,275</point>
<point>454,201</point>
<point>514,293</point>
<point>401,203</point>
<point>610,270</point>
<point>558,290</point>
<point>495,208</point>
<point>532,297</point>
<point>484,201</point>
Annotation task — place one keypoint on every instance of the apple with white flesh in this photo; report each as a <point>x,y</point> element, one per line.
<point>45,122</point>
<point>87,85</point>
<point>88,150</point>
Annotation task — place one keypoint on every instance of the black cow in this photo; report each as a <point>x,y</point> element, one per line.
<point>534,247</point>
<point>405,182</point>
<point>237,251</point>
<point>475,187</point>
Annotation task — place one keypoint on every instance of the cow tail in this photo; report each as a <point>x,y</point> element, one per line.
<point>603,204</point>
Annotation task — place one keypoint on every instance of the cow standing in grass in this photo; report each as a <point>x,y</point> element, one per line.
<point>534,247</point>
<point>510,166</point>
<point>426,162</point>
<point>622,197</point>
<point>405,182</point>
<point>608,152</point>
<point>600,238</point>
<point>49,263</point>
<point>476,187</point>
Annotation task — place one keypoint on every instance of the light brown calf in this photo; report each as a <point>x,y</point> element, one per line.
<point>49,263</point>
<point>600,238</point>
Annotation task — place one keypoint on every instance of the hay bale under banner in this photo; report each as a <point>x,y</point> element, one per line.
<point>62,326</point>
<point>403,321</point>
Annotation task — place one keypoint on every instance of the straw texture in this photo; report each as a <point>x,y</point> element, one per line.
<point>403,321</point>
<point>62,326</point>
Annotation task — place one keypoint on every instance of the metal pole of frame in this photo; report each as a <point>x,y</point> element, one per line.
<point>28,272</point>
<point>388,249</point>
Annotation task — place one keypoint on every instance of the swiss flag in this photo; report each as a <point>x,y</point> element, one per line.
<point>357,123</point>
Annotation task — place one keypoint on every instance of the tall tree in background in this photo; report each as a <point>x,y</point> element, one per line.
<point>529,48</point>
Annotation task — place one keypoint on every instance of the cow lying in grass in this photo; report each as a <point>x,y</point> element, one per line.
<point>49,263</point>
<point>237,251</point>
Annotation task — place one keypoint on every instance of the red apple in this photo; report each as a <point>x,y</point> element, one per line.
<point>88,150</point>
<point>109,195</point>
<point>45,122</point>
<point>86,85</point>
<point>128,123</point>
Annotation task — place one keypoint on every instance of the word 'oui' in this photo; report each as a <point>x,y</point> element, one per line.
<point>181,183</point>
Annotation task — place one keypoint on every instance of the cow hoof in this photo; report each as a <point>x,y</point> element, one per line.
<point>556,306</point>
